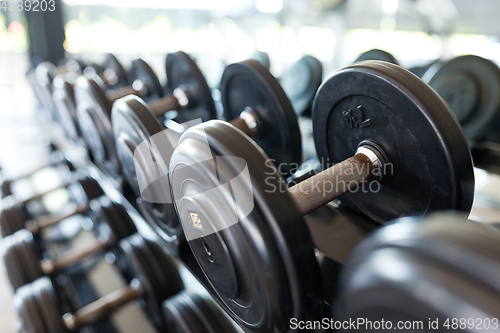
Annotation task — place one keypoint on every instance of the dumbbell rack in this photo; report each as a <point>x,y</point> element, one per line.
<point>335,230</point>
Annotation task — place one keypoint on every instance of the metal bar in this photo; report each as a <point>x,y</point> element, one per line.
<point>332,182</point>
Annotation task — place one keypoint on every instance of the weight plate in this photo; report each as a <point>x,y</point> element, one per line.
<point>301,82</point>
<point>64,100</point>
<point>45,73</point>
<point>156,271</point>
<point>190,312</point>
<point>5,188</point>
<point>16,274</point>
<point>13,215</point>
<point>31,78</point>
<point>249,86</point>
<point>443,255</point>
<point>113,221</point>
<point>112,64</point>
<point>429,168</point>
<point>249,253</point>
<point>135,125</point>
<point>470,85</point>
<point>421,70</point>
<point>48,304</point>
<point>183,73</point>
<point>31,319</point>
<point>262,58</point>
<point>143,73</point>
<point>377,54</point>
<point>93,114</point>
<point>85,189</point>
<point>29,254</point>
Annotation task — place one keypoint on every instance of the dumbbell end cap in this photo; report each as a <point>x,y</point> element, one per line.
<point>70,321</point>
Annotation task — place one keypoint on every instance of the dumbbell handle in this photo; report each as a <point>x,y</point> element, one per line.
<point>113,95</point>
<point>165,104</point>
<point>73,256</point>
<point>332,182</point>
<point>35,226</point>
<point>247,122</point>
<point>103,306</point>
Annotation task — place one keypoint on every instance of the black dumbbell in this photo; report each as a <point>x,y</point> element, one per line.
<point>41,82</point>
<point>469,84</point>
<point>14,215</point>
<point>191,99</point>
<point>301,82</point>
<point>377,54</point>
<point>57,160</point>
<point>262,58</point>
<point>249,236</point>
<point>471,87</point>
<point>23,256</point>
<point>111,72</point>
<point>156,279</point>
<point>191,312</point>
<point>253,101</point>
<point>438,268</point>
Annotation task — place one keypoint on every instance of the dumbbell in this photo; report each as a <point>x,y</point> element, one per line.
<point>57,160</point>
<point>377,54</point>
<point>156,279</point>
<point>246,228</point>
<point>469,84</point>
<point>14,216</point>
<point>111,72</point>
<point>471,87</point>
<point>262,58</point>
<point>41,81</point>
<point>23,256</point>
<point>191,312</point>
<point>254,102</point>
<point>191,99</point>
<point>301,82</point>
<point>443,267</point>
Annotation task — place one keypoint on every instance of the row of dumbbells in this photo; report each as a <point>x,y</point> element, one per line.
<point>34,270</point>
<point>374,123</point>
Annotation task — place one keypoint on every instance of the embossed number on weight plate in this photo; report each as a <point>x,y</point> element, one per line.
<point>356,117</point>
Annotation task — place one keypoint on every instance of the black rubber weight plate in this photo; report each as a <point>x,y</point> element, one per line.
<point>471,87</point>
<point>262,58</point>
<point>85,189</point>
<point>248,84</point>
<point>156,271</point>
<point>134,125</point>
<point>31,318</point>
<point>112,63</point>
<point>301,82</point>
<point>12,216</point>
<point>48,304</point>
<point>114,222</point>
<point>262,278</point>
<point>93,114</point>
<point>183,73</point>
<point>459,258</point>
<point>189,312</point>
<point>377,54</point>
<point>5,187</point>
<point>29,254</point>
<point>12,261</point>
<point>431,167</point>
<point>64,100</point>
<point>144,73</point>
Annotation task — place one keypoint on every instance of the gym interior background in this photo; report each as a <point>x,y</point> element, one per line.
<point>216,33</point>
